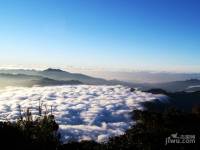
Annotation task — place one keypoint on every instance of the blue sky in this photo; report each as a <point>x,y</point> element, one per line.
<point>160,35</point>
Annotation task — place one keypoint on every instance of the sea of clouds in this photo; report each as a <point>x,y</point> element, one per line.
<point>83,112</point>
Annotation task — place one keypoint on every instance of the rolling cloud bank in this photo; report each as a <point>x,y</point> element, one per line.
<point>84,112</point>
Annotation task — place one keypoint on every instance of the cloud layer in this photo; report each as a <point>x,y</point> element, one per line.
<point>83,112</point>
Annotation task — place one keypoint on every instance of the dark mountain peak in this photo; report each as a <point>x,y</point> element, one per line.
<point>53,70</point>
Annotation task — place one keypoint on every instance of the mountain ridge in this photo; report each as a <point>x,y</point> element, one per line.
<point>61,77</point>
<point>31,80</point>
<point>58,74</point>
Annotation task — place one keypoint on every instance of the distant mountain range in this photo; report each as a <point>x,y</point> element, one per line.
<point>187,85</point>
<point>148,77</point>
<point>20,77</point>
<point>175,86</point>
<point>30,80</point>
<point>56,75</point>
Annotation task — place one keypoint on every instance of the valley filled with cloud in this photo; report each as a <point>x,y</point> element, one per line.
<point>83,112</point>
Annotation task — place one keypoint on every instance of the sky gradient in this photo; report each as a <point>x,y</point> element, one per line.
<point>160,35</point>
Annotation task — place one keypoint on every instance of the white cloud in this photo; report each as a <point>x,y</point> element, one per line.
<point>194,86</point>
<point>83,112</point>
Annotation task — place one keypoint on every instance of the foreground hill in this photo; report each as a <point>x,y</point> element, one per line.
<point>185,101</point>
